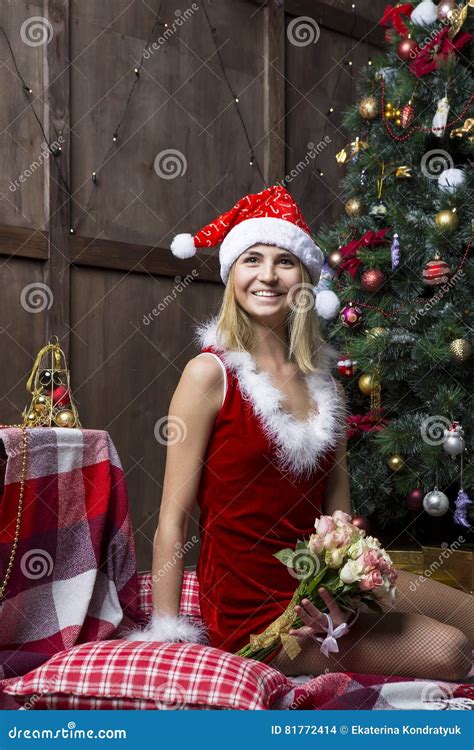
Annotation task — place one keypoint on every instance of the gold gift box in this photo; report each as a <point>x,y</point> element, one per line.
<point>454,567</point>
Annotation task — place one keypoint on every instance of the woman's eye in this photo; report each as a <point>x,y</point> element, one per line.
<point>285,260</point>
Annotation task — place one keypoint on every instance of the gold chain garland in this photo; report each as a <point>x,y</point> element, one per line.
<point>20,507</point>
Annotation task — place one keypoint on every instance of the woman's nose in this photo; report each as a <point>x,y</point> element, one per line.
<point>268,272</point>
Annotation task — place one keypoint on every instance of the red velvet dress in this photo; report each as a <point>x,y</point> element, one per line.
<point>262,486</point>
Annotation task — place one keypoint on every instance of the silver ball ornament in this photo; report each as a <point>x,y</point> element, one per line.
<point>435,503</point>
<point>454,441</point>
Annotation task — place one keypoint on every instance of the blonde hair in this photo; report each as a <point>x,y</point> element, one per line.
<point>303,336</point>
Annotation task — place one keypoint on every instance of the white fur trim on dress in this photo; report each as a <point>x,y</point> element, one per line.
<point>269,230</point>
<point>169,628</point>
<point>300,445</point>
<point>183,246</point>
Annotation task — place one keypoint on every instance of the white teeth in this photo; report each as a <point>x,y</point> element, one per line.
<point>266,294</point>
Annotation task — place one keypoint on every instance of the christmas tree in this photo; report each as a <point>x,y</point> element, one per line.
<point>397,263</point>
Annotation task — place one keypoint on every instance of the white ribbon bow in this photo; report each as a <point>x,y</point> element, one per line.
<point>329,643</point>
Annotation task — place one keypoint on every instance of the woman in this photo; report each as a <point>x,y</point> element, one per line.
<point>263,453</point>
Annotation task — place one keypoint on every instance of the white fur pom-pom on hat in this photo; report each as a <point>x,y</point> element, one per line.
<point>183,246</point>
<point>327,304</point>
<point>169,628</point>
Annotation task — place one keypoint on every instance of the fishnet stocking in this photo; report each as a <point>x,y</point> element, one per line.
<point>428,634</point>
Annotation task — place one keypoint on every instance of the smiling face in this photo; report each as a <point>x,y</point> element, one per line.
<point>263,277</point>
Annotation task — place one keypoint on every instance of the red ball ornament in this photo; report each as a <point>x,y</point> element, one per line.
<point>414,500</point>
<point>406,50</point>
<point>436,272</point>
<point>372,280</point>
<point>350,316</point>
<point>361,523</point>
<point>61,396</point>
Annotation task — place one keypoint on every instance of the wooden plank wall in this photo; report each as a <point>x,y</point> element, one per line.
<point>96,287</point>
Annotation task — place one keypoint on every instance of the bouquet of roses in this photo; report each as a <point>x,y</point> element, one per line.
<point>339,557</point>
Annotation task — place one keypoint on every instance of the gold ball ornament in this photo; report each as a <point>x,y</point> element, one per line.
<point>353,207</point>
<point>376,332</point>
<point>460,349</point>
<point>65,418</point>
<point>447,220</point>
<point>31,417</point>
<point>41,404</point>
<point>366,384</point>
<point>369,107</point>
<point>396,462</point>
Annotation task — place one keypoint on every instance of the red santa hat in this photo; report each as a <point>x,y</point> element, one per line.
<point>270,217</point>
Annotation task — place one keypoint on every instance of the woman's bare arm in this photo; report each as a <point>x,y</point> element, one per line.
<point>338,496</point>
<point>192,412</point>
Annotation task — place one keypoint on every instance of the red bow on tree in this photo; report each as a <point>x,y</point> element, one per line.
<point>350,262</point>
<point>394,16</point>
<point>440,47</point>
<point>357,423</point>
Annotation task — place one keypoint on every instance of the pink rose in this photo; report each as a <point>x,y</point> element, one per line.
<point>340,517</point>
<point>330,541</point>
<point>324,525</point>
<point>316,543</point>
<point>371,580</point>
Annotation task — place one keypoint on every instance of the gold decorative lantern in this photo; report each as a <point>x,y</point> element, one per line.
<point>51,403</point>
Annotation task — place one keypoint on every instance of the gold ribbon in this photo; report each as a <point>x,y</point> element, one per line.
<point>277,628</point>
<point>342,156</point>
<point>403,171</point>
<point>463,130</point>
<point>456,18</point>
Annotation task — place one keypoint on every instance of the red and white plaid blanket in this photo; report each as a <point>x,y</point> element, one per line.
<point>74,576</point>
<point>353,691</point>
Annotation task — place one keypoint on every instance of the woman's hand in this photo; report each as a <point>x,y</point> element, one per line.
<point>316,622</point>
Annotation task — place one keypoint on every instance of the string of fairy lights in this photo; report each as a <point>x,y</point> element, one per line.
<point>56,150</point>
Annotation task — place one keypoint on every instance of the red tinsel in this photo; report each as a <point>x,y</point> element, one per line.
<point>350,262</point>
<point>394,16</point>
<point>439,48</point>
<point>357,423</point>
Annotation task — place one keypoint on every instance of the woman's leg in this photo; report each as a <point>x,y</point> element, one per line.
<point>428,597</point>
<point>395,643</point>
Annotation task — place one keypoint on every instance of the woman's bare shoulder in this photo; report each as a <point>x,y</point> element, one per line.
<point>202,381</point>
<point>204,369</point>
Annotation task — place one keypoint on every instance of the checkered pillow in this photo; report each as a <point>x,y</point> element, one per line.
<point>145,675</point>
<point>189,594</point>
